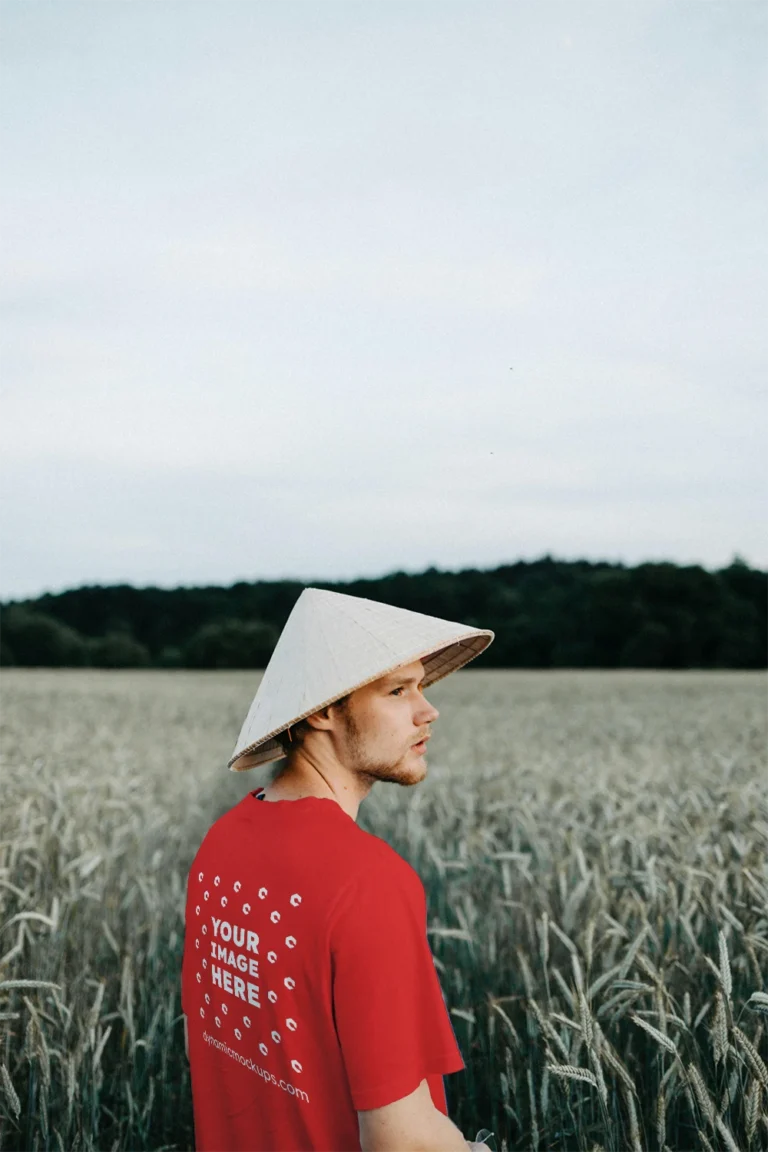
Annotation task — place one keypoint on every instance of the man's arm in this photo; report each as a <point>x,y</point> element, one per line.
<point>411,1124</point>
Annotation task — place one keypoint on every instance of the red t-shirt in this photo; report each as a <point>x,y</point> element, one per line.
<point>307,981</point>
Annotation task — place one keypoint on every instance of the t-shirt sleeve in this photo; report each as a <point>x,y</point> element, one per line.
<point>391,1019</point>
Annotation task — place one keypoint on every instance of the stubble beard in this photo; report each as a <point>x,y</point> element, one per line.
<point>371,767</point>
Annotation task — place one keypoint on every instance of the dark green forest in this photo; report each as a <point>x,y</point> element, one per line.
<point>546,613</point>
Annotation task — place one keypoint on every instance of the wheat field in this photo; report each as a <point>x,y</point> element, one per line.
<point>594,847</point>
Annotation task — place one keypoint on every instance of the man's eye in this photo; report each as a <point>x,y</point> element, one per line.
<point>396,690</point>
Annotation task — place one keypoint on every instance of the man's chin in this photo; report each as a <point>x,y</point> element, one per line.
<point>410,769</point>
<point>415,770</point>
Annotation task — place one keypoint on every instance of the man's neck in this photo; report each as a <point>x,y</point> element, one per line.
<point>294,782</point>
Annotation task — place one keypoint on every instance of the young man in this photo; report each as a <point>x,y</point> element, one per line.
<point>313,1011</point>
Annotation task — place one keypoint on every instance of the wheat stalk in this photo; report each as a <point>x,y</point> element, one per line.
<point>702,1095</point>
<point>758,1002</point>
<point>719,1029</point>
<point>725,965</point>
<point>726,1134</point>
<point>753,1056</point>
<point>752,1108</point>
<point>571,1072</point>
<point>532,1099</point>
<point>659,1037</point>
<point>585,1020</point>
<point>615,1064</point>
<point>661,1118</point>
<point>634,1128</point>
<point>10,1091</point>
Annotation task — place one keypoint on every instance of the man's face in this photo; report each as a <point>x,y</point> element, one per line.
<point>381,724</point>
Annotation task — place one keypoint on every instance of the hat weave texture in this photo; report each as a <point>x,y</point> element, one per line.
<point>333,644</point>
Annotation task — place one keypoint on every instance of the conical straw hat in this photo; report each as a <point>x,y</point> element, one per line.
<point>333,644</point>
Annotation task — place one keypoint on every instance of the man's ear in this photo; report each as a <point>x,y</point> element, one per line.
<point>320,719</point>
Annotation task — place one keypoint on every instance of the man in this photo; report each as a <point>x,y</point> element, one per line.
<point>313,1011</point>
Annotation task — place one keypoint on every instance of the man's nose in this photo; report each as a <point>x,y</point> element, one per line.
<point>431,715</point>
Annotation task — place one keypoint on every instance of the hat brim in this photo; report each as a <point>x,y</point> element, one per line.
<point>439,662</point>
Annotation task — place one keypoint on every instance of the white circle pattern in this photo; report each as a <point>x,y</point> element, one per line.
<point>288,981</point>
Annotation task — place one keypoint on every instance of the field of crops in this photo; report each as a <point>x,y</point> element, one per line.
<point>594,848</point>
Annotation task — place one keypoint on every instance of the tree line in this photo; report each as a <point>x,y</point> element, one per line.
<point>546,613</point>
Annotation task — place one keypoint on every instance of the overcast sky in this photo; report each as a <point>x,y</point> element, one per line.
<point>325,290</point>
